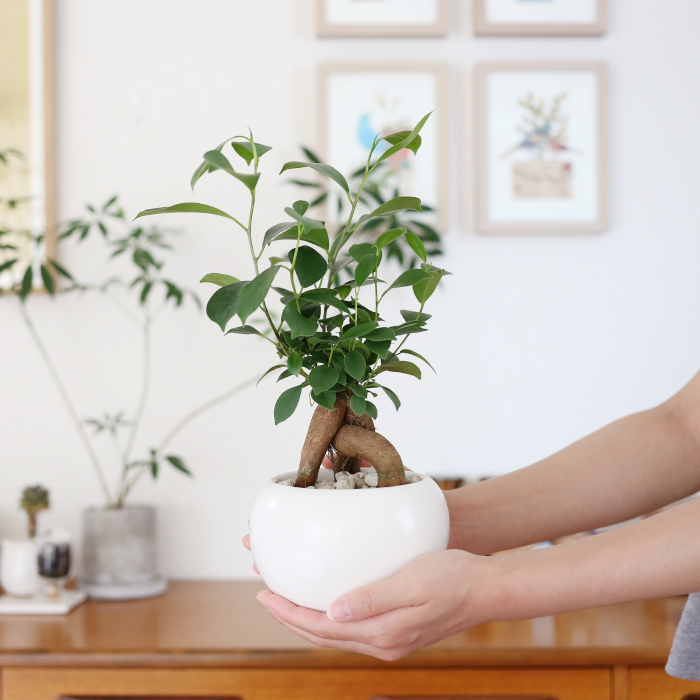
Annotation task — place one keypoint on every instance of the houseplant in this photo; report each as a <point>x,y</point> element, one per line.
<point>119,537</point>
<point>338,347</point>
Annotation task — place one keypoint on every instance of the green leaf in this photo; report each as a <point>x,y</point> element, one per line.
<point>327,170</point>
<point>323,296</point>
<point>272,369</point>
<point>255,292</point>
<point>26,285</point>
<point>310,267</point>
<point>47,279</point>
<point>322,378</point>
<point>300,206</point>
<point>394,398</point>
<point>420,357</point>
<point>220,279</point>
<point>294,363</point>
<point>365,268</point>
<point>379,347</point>
<point>358,331</point>
<point>371,410</point>
<point>359,250</point>
<point>145,292</point>
<point>61,270</point>
<point>278,229</point>
<point>359,390</point>
<point>358,404</point>
<point>300,326</point>
<point>223,304</point>
<point>425,289</point>
<point>218,161</point>
<point>7,264</point>
<point>402,366</point>
<point>399,136</point>
<point>355,365</point>
<point>307,224</point>
<point>408,278</point>
<point>245,330</point>
<point>416,244</point>
<point>186,208</point>
<point>394,206</point>
<point>381,334</point>
<point>324,398</point>
<point>287,403</point>
<point>316,236</point>
<point>389,237</point>
<point>203,168</point>
<point>178,464</point>
<point>415,316</point>
<point>404,143</point>
<point>245,150</point>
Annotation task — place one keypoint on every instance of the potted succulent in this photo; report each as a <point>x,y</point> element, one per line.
<point>329,337</point>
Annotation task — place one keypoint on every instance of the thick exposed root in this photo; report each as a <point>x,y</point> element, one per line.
<point>324,425</point>
<point>359,442</point>
<point>364,421</point>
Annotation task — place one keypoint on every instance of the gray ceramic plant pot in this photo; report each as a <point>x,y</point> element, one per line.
<point>120,553</point>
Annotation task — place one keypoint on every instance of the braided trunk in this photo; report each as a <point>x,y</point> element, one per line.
<point>353,437</point>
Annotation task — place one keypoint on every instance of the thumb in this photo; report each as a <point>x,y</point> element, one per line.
<point>396,592</point>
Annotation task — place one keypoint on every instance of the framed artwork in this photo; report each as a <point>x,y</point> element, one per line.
<point>26,133</point>
<point>541,147</point>
<point>540,17</point>
<point>359,101</point>
<point>346,18</point>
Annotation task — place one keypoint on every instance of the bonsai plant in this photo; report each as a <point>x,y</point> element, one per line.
<point>330,337</point>
<point>34,500</point>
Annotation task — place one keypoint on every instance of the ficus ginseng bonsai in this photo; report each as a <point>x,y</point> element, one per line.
<point>337,345</point>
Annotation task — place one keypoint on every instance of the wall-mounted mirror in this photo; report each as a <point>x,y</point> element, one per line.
<point>26,138</point>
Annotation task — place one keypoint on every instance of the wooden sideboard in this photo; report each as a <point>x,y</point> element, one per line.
<point>214,640</point>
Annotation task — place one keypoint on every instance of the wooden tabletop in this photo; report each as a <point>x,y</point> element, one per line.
<point>221,624</point>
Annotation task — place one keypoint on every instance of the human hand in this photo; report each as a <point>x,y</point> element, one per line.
<point>434,597</point>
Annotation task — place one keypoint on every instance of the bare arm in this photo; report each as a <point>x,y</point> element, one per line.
<point>628,468</point>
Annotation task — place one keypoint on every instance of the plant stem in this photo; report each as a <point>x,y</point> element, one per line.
<point>145,384</point>
<point>66,400</point>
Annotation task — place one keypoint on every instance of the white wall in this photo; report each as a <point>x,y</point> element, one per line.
<point>537,340</point>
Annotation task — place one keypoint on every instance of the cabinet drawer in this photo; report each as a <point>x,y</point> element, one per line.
<point>653,683</point>
<point>309,684</point>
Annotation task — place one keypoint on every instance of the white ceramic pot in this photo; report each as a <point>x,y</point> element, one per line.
<point>19,567</point>
<point>313,545</point>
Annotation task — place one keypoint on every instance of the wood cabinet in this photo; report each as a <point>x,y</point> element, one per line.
<point>214,641</point>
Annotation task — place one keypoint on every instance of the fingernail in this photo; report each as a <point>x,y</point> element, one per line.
<point>339,611</point>
<point>261,600</point>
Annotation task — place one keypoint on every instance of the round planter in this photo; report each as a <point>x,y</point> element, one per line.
<point>19,567</point>
<point>119,553</point>
<point>313,545</point>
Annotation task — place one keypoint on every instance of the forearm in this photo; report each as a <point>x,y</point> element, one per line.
<point>655,557</point>
<point>629,468</point>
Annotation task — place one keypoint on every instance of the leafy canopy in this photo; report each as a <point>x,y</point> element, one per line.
<point>326,332</point>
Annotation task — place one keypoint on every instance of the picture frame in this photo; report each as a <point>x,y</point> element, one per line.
<point>378,18</point>
<point>349,102</point>
<point>541,147</point>
<point>27,116</point>
<point>540,17</point>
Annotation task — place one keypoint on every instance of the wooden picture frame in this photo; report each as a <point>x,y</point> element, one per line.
<point>31,25</point>
<point>434,132</point>
<point>484,27</point>
<point>324,28</point>
<point>586,194</point>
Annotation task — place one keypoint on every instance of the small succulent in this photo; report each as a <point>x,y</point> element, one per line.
<point>34,500</point>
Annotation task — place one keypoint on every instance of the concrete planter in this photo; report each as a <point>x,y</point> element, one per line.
<point>120,553</point>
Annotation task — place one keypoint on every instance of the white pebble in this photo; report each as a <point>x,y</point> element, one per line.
<point>372,480</point>
<point>359,480</point>
<point>286,482</point>
<point>344,482</point>
<point>412,478</point>
<point>310,487</point>
<point>325,484</point>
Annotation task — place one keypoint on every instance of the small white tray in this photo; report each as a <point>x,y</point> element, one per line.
<point>41,605</point>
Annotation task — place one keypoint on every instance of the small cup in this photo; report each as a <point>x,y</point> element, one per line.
<point>19,570</point>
